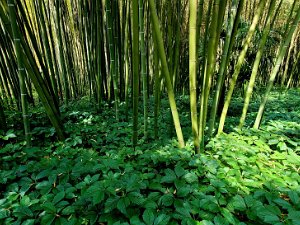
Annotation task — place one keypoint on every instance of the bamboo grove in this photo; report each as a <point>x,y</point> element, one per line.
<point>127,51</point>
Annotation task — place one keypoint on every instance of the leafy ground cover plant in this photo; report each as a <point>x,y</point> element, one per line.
<point>95,177</point>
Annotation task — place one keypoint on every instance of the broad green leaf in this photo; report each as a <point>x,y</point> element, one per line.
<point>294,197</point>
<point>206,222</point>
<point>239,203</point>
<point>68,210</point>
<point>22,211</point>
<point>123,203</point>
<point>218,220</point>
<point>148,216</point>
<point>28,222</point>
<point>136,221</point>
<point>98,197</point>
<point>58,197</point>
<point>190,177</point>
<point>110,204</point>
<point>273,141</point>
<point>4,213</point>
<point>48,219</point>
<point>162,219</point>
<point>179,171</point>
<point>228,216</point>
<point>49,207</point>
<point>167,200</point>
<point>169,177</point>
<point>294,216</point>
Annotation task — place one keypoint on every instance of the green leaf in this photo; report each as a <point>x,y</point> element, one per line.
<point>58,197</point>
<point>162,219</point>
<point>191,177</point>
<point>148,216</point>
<point>49,207</point>
<point>98,197</point>
<point>239,203</point>
<point>110,204</point>
<point>179,171</point>
<point>28,222</point>
<point>4,213</point>
<point>123,203</point>
<point>22,211</point>
<point>44,173</point>
<point>293,195</point>
<point>273,141</point>
<point>170,176</point>
<point>47,219</point>
<point>218,220</point>
<point>284,204</point>
<point>136,221</point>
<point>136,198</point>
<point>294,216</point>
<point>227,215</point>
<point>167,199</point>
<point>68,210</point>
<point>206,222</point>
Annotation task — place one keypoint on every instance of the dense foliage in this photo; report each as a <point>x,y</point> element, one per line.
<point>244,177</point>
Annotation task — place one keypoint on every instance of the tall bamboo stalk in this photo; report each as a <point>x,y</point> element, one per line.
<point>230,36</point>
<point>21,69</point>
<point>136,63</point>
<point>257,62</point>
<point>166,73</point>
<point>239,63</point>
<point>143,66</point>
<point>192,70</point>
<point>61,53</point>
<point>280,56</point>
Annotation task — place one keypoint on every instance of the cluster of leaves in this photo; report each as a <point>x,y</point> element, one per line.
<point>95,177</point>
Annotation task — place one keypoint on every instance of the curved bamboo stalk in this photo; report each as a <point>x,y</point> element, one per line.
<point>166,73</point>
<point>239,64</point>
<point>257,62</point>
<point>280,56</point>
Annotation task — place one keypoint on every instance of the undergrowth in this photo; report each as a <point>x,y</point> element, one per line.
<point>95,177</point>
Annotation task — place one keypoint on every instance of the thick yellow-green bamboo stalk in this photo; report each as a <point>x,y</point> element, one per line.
<point>166,73</point>
<point>257,62</point>
<point>239,63</point>
<point>136,63</point>
<point>281,54</point>
<point>192,70</point>
<point>211,61</point>
<point>21,69</point>
<point>230,36</point>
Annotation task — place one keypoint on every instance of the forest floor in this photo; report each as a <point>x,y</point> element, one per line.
<point>95,177</point>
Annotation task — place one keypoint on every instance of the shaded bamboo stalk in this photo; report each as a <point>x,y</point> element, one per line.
<point>136,63</point>
<point>239,64</point>
<point>21,69</point>
<point>280,56</point>
<point>166,73</point>
<point>143,65</point>
<point>257,62</point>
